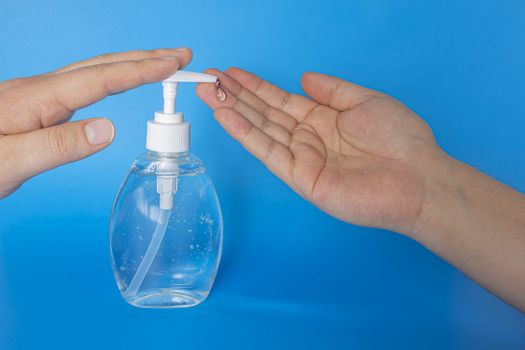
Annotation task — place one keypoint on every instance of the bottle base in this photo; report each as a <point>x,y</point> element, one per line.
<point>167,299</point>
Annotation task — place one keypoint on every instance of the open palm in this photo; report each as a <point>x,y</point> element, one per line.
<point>355,153</point>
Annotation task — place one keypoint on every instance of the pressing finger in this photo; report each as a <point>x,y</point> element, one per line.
<point>54,99</point>
<point>183,54</point>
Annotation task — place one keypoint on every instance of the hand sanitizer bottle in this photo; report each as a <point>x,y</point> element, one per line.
<point>166,225</point>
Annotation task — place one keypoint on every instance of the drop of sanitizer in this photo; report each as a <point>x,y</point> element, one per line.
<point>221,94</point>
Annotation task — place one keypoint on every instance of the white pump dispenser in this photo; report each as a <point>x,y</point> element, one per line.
<point>168,132</point>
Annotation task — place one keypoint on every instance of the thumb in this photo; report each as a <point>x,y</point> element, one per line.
<point>26,155</point>
<point>334,92</point>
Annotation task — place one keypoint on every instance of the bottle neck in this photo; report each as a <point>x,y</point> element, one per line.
<point>166,155</point>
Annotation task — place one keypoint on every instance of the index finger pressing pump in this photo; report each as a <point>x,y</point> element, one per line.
<point>166,225</point>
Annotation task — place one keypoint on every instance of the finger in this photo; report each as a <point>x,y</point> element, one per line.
<point>207,93</point>
<point>334,92</point>
<point>183,54</point>
<point>275,156</point>
<point>54,99</point>
<point>26,155</point>
<point>295,105</point>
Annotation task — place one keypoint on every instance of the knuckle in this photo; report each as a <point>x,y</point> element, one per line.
<point>267,111</point>
<point>139,74</point>
<point>284,100</point>
<point>269,151</point>
<point>61,143</point>
<point>243,139</point>
<point>142,79</point>
<point>99,74</point>
<point>260,84</point>
<point>97,69</point>
<point>336,89</point>
<point>265,123</point>
<point>102,58</point>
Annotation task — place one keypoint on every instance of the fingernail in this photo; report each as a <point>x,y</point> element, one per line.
<point>99,131</point>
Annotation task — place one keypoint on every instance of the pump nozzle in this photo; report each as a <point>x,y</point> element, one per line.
<point>183,76</point>
<point>169,86</point>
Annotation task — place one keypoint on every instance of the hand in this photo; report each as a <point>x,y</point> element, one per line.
<point>356,153</point>
<point>34,135</point>
<point>365,158</point>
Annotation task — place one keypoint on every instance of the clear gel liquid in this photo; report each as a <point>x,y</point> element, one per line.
<point>184,267</point>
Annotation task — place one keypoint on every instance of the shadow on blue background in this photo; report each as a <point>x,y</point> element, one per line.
<point>291,275</point>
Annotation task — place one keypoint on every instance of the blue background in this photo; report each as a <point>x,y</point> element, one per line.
<point>290,275</point>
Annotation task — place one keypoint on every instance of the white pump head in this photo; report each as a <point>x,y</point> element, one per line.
<point>168,132</point>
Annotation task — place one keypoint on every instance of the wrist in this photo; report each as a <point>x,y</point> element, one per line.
<point>443,199</point>
<point>477,224</point>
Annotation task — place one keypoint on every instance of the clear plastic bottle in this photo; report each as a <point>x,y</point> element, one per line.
<point>166,258</point>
